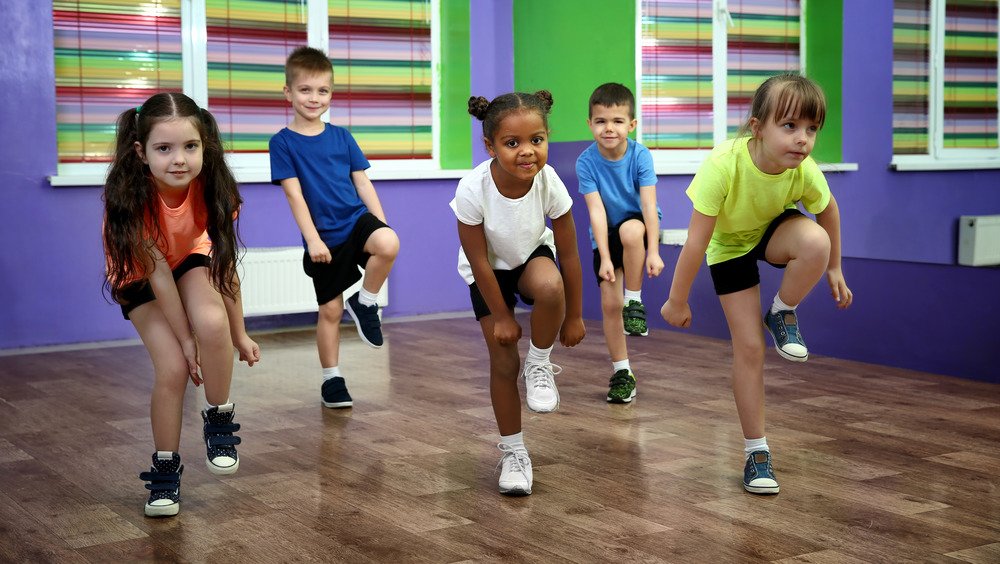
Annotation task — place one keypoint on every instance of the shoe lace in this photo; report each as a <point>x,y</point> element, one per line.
<point>517,460</point>
<point>542,375</point>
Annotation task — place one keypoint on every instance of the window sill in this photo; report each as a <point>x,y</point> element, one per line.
<point>908,163</point>
<point>687,168</point>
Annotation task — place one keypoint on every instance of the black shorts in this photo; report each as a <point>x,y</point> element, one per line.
<point>138,293</point>
<point>740,273</point>
<point>615,248</point>
<point>507,280</point>
<point>332,278</point>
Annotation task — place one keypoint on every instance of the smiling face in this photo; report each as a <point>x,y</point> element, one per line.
<point>778,145</point>
<point>310,95</point>
<point>521,148</point>
<point>611,126</point>
<point>174,153</point>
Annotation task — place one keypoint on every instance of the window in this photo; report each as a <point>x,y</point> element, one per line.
<point>229,56</point>
<point>944,84</point>
<point>701,62</point>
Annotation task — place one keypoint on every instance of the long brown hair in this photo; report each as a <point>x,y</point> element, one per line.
<point>131,204</point>
<point>783,95</point>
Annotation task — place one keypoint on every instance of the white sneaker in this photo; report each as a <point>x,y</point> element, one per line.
<point>515,471</point>
<point>540,386</point>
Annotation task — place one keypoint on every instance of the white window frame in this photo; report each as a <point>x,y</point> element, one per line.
<point>256,167</point>
<point>938,156</point>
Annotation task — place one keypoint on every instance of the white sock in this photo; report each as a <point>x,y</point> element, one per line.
<point>633,295</point>
<point>165,454</point>
<point>210,405</point>
<point>779,305</point>
<point>751,445</point>
<point>366,298</point>
<point>515,441</point>
<point>331,372</point>
<point>537,355</point>
<point>621,365</point>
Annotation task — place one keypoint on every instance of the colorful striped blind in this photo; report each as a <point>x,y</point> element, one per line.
<point>910,76</point>
<point>381,54</point>
<point>248,42</point>
<point>676,106</point>
<point>110,55</point>
<point>970,74</point>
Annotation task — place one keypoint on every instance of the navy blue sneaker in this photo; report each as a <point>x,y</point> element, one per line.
<point>164,486</point>
<point>784,329</point>
<point>758,476</point>
<point>220,440</point>
<point>366,320</point>
<point>335,393</point>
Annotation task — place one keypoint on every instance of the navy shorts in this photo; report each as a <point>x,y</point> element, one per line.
<point>140,292</point>
<point>330,279</point>
<point>507,280</point>
<point>740,273</point>
<point>615,248</point>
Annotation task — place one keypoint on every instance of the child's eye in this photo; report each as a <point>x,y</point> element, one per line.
<point>511,143</point>
<point>192,146</point>
<point>163,148</point>
<point>537,140</point>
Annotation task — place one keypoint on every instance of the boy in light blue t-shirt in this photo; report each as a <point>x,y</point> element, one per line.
<point>619,185</point>
<point>322,171</point>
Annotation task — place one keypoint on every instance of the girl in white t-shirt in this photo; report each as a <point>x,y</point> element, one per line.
<point>507,251</point>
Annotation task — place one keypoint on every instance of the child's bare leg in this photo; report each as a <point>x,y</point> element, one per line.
<point>742,311</point>
<point>170,374</point>
<point>805,247</point>
<point>633,236</point>
<point>328,332</point>
<point>543,283</point>
<point>505,364</point>
<point>383,246</point>
<point>207,313</point>
<point>612,302</point>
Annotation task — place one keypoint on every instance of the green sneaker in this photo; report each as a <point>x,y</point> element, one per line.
<point>634,318</point>
<point>622,387</point>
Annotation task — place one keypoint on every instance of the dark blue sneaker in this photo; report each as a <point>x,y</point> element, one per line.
<point>784,328</point>
<point>758,476</point>
<point>366,320</point>
<point>220,440</point>
<point>335,393</point>
<point>164,486</point>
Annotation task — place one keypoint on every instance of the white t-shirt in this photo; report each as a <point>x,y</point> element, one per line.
<point>514,228</point>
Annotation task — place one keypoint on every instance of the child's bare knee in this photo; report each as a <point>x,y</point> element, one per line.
<point>332,311</point>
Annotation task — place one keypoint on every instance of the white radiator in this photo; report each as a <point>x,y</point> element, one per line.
<point>273,283</point>
<point>979,240</point>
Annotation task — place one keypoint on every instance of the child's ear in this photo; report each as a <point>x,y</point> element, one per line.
<point>142,154</point>
<point>489,147</point>
<point>754,126</point>
<point>288,92</point>
<point>632,124</point>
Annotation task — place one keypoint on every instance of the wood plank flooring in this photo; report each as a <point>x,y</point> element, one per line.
<point>876,464</point>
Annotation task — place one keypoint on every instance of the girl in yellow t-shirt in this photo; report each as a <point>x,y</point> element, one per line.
<point>745,199</point>
<point>170,204</point>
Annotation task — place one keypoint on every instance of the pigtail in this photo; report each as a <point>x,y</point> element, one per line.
<point>222,199</point>
<point>546,98</point>
<point>478,106</point>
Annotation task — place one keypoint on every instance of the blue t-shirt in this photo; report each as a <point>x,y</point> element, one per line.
<point>323,164</point>
<point>617,182</point>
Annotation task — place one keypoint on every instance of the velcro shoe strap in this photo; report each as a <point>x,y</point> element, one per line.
<point>223,440</point>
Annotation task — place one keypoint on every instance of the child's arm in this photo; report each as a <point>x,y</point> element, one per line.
<point>599,225</point>
<point>318,251</point>
<point>161,280</point>
<point>647,199</point>
<point>829,219</point>
<point>249,350</point>
<point>564,229</point>
<point>366,191</point>
<point>676,310</point>
<point>473,239</point>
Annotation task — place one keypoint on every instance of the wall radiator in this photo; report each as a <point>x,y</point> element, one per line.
<point>979,240</point>
<point>273,283</point>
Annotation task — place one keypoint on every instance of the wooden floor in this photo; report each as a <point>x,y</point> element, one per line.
<point>875,464</point>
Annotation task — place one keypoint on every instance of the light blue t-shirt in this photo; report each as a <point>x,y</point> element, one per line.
<point>617,182</point>
<point>323,164</point>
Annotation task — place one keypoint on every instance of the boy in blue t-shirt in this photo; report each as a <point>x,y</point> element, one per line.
<point>322,170</point>
<point>619,185</point>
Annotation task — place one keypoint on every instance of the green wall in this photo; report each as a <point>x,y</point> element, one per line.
<point>456,151</point>
<point>570,47</point>
<point>824,31</point>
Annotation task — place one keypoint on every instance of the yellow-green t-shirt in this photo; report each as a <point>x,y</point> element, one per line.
<point>744,200</point>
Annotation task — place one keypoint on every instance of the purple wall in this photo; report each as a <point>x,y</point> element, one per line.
<point>492,68</point>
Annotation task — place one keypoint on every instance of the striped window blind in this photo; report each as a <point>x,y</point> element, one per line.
<point>381,54</point>
<point>970,74</point>
<point>247,43</point>
<point>910,76</point>
<point>109,55</point>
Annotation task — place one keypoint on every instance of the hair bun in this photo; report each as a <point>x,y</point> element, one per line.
<point>478,106</point>
<point>546,97</point>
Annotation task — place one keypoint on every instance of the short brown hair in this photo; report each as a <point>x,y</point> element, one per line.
<point>306,60</point>
<point>612,94</point>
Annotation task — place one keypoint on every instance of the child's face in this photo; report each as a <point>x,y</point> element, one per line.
<point>610,126</point>
<point>173,152</point>
<point>520,146</point>
<point>783,144</point>
<point>310,95</point>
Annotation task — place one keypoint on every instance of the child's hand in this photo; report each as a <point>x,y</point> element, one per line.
<point>607,270</point>
<point>506,330</point>
<point>654,264</point>
<point>319,252</point>
<point>190,349</point>
<point>572,332</point>
<point>678,315</point>
<point>248,349</point>
<point>838,288</point>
